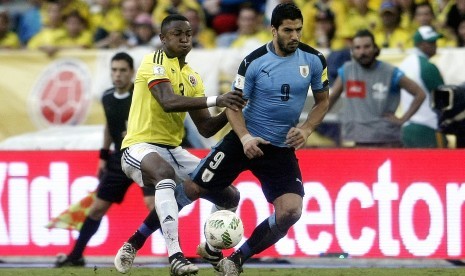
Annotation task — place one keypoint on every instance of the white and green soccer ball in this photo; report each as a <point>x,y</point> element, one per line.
<point>223,229</point>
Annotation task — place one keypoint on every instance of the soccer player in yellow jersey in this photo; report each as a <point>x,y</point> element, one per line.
<point>165,88</point>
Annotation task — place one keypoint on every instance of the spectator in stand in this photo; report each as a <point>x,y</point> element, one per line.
<point>372,96</point>
<point>202,36</point>
<point>145,33</point>
<point>455,15</point>
<point>8,38</point>
<point>117,37</point>
<point>461,34</point>
<point>441,9</point>
<point>250,33</point>
<point>167,7</point>
<point>424,16</point>
<point>359,16</point>
<point>322,13</point>
<point>420,131</point>
<point>390,34</point>
<point>406,12</point>
<point>46,39</point>
<point>72,34</point>
<point>130,10</point>
<point>77,34</point>
<point>147,6</point>
<point>107,18</point>
<point>30,21</point>
<point>221,15</point>
<point>68,6</point>
<point>325,28</point>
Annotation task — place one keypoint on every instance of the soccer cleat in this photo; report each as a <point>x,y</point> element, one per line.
<point>180,266</point>
<point>208,255</point>
<point>125,257</point>
<point>230,266</point>
<point>63,260</point>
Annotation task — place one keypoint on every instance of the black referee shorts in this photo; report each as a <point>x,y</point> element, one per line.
<point>114,183</point>
<point>277,170</point>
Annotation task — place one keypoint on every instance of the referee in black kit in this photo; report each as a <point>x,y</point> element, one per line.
<point>114,183</point>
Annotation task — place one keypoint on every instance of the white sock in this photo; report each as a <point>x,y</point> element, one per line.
<point>167,210</point>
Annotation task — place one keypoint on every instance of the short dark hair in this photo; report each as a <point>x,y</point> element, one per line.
<point>124,56</point>
<point>170,18</point>
<point>285,11</point>
<point>368,33</point>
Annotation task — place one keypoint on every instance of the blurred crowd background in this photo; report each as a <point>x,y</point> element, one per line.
<point>51,25</point>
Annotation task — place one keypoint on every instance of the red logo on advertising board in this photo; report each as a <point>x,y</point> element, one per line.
<point>61,94</point>
<point>356,89</point>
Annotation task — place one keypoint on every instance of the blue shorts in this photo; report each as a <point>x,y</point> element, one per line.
<point>114,183</point>
<point>277,170</point>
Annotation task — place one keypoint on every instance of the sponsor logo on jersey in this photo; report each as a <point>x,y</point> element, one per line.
<point>356,89</point>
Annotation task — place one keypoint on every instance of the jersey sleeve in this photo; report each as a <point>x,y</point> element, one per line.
<point>431,76</point>
<point>320,82</point>
<point>153,69</point>
<point>245,78</point>
<point>340,73</point>
<point>396,76</point>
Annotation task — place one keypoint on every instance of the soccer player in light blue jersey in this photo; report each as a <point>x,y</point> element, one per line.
<point>275,80</point>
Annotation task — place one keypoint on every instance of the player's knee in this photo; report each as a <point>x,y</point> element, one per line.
<point>289,217</point>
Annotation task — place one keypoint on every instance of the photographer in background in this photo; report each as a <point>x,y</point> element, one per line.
<point>449,102</point>
<point>420,131</point>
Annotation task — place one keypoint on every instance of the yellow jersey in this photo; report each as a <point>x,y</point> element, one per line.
<point>147,122</point>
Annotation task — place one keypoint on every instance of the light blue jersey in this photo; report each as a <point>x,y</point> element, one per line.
<point>276,89</point>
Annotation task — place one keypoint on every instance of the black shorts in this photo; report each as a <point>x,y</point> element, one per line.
<point>114,183</point>
<point>277,170</point>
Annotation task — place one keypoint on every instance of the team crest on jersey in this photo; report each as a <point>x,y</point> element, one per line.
<point>207,175</point>
<point>159,70</point>
<point>192,80</point>
<point>304,70</point>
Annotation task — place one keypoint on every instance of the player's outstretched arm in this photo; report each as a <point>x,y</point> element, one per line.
<point>171,102</point>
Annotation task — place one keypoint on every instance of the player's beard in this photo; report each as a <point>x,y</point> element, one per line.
<point>365,60</point>
<point>288,48</point>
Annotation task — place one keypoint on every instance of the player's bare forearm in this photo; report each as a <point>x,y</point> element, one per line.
<point>237,121</point>
<point>249,142</point>
<point>318,112</point>
<point>206,124</point>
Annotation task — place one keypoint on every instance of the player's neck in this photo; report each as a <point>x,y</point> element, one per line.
<point>275,49</point>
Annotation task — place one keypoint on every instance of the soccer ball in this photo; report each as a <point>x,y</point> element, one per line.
<point>223,229</point>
